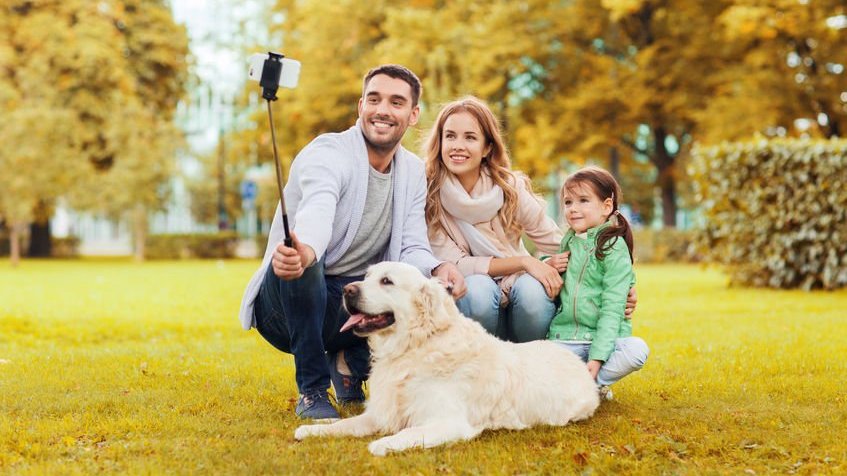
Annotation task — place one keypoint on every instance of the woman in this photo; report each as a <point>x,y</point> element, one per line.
<point>477,209</point>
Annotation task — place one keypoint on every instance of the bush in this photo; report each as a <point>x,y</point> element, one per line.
<point>195,245</point>
<point>775,211</point>
<point>64,247</point>
<point>59,247</point>
<point>665,245</point>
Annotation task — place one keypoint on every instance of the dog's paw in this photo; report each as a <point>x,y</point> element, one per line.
<point>306,431</point>
<point>379,447</point>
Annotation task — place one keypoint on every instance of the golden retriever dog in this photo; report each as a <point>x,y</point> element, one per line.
<point>439,377</point>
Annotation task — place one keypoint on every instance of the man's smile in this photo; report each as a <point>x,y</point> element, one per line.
<point>382,125</point>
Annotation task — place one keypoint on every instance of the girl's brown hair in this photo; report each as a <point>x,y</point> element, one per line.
<point>604,186</point>
<point>497,163</point>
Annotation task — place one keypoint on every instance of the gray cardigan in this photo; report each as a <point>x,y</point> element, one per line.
<point>325,196</point>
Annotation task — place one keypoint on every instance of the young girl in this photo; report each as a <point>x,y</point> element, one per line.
<point>591,320</point>
<point>476,210</point>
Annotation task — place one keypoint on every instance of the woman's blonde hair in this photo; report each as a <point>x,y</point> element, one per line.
<point>497,164</point>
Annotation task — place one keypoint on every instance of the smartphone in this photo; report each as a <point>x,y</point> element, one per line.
<point>290,70</point>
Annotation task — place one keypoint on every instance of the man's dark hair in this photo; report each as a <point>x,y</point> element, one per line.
<point>396,71</point>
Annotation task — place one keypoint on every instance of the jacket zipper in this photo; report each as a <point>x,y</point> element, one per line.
<point>576,293</point>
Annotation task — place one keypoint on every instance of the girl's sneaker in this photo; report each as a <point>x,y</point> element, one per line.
<point>605,392</point>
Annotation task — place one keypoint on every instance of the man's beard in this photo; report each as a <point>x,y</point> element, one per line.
<point>386,147</point>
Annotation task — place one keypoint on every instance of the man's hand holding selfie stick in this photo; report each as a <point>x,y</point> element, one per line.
<point>273,70</point>
<point>290,261</point>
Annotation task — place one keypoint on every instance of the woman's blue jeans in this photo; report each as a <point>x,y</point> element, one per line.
<point>302,317</point>
<point>526,318</point>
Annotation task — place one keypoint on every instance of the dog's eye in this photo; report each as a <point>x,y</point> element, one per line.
<point>386,282</point>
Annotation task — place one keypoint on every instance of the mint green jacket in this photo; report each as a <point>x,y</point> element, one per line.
<point>594,294</point>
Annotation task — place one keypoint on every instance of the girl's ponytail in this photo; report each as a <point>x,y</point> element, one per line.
<point>619,227</point>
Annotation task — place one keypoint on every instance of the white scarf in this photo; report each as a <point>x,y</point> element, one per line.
<point>469,211</point>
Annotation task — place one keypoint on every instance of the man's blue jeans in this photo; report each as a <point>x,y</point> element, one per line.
<point>302,317</point>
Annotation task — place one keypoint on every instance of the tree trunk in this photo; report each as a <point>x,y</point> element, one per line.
<point>15,243</point>
<point>668,188</point>
<point>40,245</point>
<point>223,220</point>
<point>39,240</point>
<point>664,163</point>
<point>615,163</point>
<point>139,227</point>
<point>834,128</point>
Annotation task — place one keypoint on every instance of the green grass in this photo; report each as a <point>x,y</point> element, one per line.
<point>126,368</point>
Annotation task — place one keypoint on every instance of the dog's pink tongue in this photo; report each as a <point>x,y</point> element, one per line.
<point>354,319</point>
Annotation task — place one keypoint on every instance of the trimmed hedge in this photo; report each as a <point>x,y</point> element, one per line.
<point>191,245</point>
<point>667,245</point>
<point>775,210</point>
<point>59,247</point>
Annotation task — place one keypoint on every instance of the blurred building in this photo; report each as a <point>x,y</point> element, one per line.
<point>203,114</point>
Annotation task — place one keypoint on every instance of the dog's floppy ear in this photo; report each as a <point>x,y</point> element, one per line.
<point>433,309</point>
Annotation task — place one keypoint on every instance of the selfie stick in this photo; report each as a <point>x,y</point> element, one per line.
<point>271,72</point>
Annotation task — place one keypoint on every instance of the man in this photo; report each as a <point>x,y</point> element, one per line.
<point>354,198</point>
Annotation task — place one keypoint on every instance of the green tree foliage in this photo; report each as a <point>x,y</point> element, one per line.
<point>630,75</point>
<point>206,190</point>
<point>571,81</point>
<point>629,84</point>
<point>36,133</point>
<point>776,210</point>
<point>113,72</point>
<point>788,62</point>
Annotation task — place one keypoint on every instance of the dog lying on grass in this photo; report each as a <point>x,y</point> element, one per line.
<point>439,377</point>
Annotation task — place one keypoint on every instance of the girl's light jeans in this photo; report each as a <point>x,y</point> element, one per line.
<point>629,355</point>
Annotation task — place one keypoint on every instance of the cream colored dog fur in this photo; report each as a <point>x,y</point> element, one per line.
<point>439,377</point>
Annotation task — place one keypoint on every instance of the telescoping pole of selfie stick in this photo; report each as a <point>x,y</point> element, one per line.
<point>271,73</point>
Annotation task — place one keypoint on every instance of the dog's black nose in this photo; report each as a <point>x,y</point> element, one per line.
<point>351,291</point>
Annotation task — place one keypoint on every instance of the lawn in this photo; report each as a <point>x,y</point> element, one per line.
<point>120,367</point>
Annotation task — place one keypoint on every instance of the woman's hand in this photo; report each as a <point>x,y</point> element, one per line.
<point>559,261</point>
<point>452,278</point>
<point>546,275</point>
